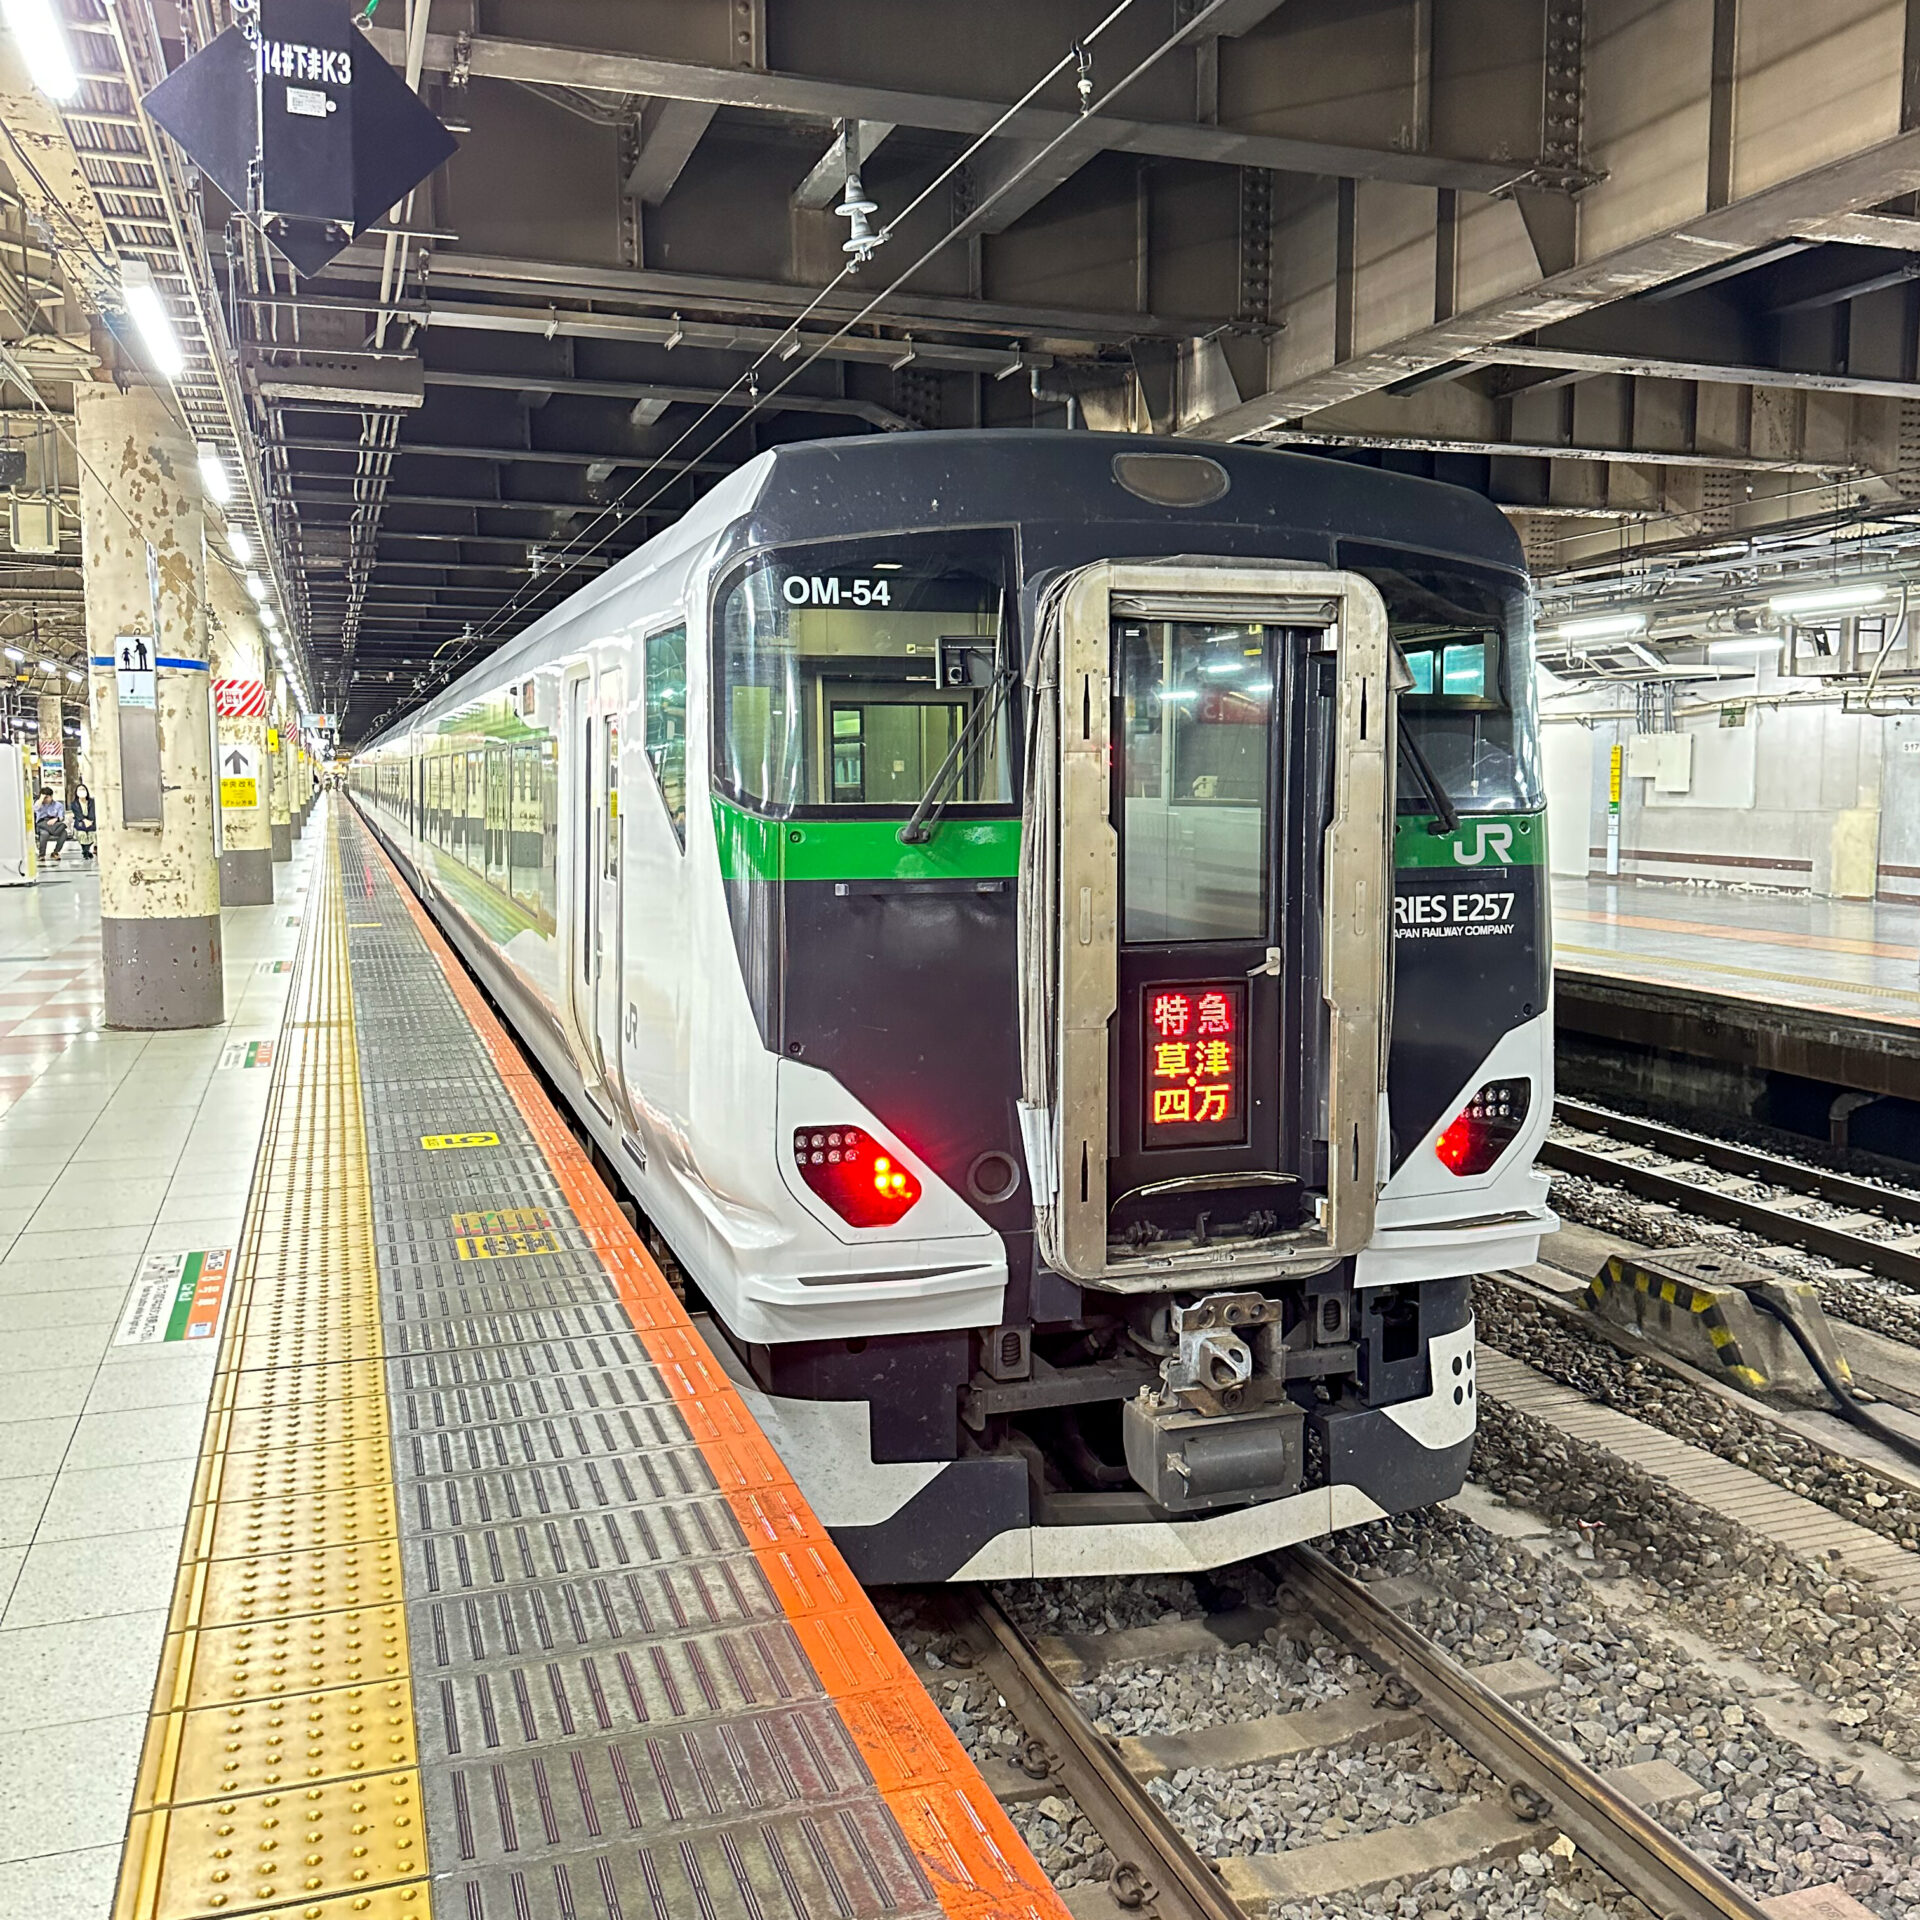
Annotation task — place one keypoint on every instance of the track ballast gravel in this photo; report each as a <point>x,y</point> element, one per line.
<point>1590,1364</point>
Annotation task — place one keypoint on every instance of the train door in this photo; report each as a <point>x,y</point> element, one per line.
<point>1222,886</point>
<point>610,971</point>
<point>585,770</point>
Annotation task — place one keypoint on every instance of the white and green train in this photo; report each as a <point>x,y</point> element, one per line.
<point>1051,930</point>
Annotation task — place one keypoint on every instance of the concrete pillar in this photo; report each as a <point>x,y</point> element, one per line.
<point>280,799</point>
<point>49,751</point>
<point>144,554</point>
<point>239,658</point>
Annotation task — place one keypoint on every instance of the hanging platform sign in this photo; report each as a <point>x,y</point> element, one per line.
<point>307,130</point>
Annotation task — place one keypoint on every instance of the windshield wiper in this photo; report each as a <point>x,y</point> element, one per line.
<point>918,828</point>
<point>1442,800</point>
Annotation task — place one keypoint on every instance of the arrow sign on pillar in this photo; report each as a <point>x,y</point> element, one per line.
<point>239,764</point>
<point>339,137</point>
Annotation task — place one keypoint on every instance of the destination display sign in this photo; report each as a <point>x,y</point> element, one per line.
<point>1195,1064</point>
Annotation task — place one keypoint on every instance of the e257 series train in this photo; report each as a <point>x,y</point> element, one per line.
<point>1051,930</point>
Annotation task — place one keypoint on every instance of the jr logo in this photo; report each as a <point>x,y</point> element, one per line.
<point>1492,843</point>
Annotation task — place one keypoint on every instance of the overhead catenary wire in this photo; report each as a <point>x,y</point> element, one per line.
<point>787,345</point>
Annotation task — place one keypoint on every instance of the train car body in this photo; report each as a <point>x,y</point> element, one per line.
<point>1052,931</point>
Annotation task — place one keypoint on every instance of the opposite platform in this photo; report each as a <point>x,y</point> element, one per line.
<point>1851,958</point>
<point>1824,991</point>
<point>494,1601</point>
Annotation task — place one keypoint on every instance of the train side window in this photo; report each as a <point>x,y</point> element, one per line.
<point>666,721</point>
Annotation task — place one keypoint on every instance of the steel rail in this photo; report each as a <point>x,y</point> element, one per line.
<point>1154,1865</point>
<point>1728,1157</point>
<point>1615,1834</point>
<point>1782,1226</point>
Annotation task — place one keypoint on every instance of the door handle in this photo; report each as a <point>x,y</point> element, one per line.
<point>1270,966</point>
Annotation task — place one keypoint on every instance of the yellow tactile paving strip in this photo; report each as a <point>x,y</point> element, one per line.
<point>279,1773</point>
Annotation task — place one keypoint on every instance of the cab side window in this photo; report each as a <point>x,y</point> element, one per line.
<point>666,721</point>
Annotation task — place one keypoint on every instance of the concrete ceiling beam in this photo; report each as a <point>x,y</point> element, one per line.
<point>1580,362</point>
<point>458,272</point>
<point>669,131</point>
<point>1879,172</point>
<point>598,70</point>
<point>554,323</point>
<point>1532,450</point>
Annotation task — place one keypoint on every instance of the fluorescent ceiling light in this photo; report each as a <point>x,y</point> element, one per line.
<point>14,654</point>
<point>74,673</point>
<point>240,546</point>
<point>49,666</point>
<point>268,618</point>
<point>214,475</point>
<point>1829,599</point>
<point>35,26</point>
<point>152,320</point>
<point>257,587</point>
<point>1601,626</point>
<point>1727,649</point>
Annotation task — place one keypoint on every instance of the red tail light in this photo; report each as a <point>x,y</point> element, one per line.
<point>1485,1127</point>
<point>858,1178</point>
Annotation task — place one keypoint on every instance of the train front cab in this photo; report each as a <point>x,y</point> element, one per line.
<point>1186,1372</point>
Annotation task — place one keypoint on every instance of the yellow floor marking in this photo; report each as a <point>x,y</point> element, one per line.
<point>268,1586</point>
<point>503,1220</point>
<point>504,1246</point>
<point>264,1659</point>
<point>279,1771</point>
<point>294,1740</point>
<point>268,1850</point>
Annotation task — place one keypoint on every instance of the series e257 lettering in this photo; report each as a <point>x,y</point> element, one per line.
<point>1455,909</point>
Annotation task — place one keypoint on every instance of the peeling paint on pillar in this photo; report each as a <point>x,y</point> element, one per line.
<point>246,834</point>
<point>159,886</point>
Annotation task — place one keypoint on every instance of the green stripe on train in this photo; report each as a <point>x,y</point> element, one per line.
<point>990,849</point>
<point>861,849</point>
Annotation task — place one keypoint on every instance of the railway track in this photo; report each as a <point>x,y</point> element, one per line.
<point>1714,1178</point>
<point>1158,1873</point>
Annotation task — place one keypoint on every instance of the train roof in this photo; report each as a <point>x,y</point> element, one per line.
<point>1062,489</point>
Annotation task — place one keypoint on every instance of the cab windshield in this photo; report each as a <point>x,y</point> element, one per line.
<point>1464,635</point>
<point>848,676</point>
